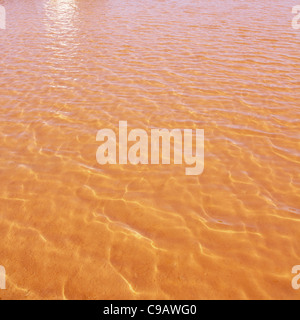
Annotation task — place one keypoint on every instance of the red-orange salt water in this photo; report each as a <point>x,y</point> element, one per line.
<point>72,229</point>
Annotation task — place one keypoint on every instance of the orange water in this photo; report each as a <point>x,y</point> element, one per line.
<point>71,228</point>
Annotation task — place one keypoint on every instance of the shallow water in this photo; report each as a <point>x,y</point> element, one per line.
<point>71,228</point>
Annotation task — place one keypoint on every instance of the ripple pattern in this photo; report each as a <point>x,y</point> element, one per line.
<point>71,229</point>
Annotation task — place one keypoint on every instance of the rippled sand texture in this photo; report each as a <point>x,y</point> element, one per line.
<point>71,228</point>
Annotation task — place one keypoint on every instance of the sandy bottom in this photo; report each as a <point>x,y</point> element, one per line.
<point>72,229</point>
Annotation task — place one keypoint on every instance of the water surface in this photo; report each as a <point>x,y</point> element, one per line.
<point>71,228</point>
